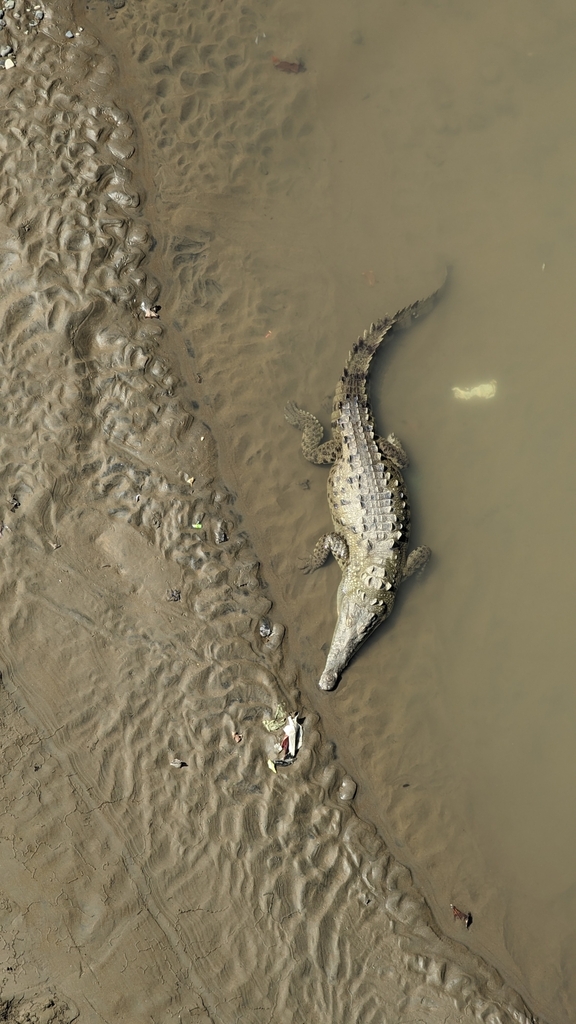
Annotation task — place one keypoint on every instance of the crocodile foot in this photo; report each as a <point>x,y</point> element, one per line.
<point>393,451</point>
<point>328,543</point>
<point>416,561</point>
<point>312,434</point>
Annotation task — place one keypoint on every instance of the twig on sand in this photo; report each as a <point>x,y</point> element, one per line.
<point>459,915</point>
<point>292,68</point>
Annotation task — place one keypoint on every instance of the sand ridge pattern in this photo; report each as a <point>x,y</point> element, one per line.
<point>131,890</point>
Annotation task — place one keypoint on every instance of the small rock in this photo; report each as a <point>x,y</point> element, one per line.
<point>10,5</point>
<point>265,629</point>
<point>69,34</point>
<point>39,15</point>
<point>177,763</point>
<point>276,637</point>
<point>220,535</point>
<point>237,737</point>
<point>5,50</point>
<point>2,25</point>
<point>347,789</point>
<point>174,595</point>
<point>150,312</point>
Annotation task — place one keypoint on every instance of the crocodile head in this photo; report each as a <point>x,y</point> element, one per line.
<point>360,612</point>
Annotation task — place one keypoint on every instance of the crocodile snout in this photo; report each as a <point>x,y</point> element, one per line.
<point>328,680</point>
<point>358,616</point>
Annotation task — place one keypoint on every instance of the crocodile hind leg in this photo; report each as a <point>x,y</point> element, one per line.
<point>312,434</point>
<point>416,560</point>
<point>328,543</point>
<point>393,451</point>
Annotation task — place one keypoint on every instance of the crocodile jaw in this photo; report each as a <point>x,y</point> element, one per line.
<point>356,621</point>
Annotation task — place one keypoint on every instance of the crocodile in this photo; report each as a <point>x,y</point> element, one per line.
<point>367,498</point>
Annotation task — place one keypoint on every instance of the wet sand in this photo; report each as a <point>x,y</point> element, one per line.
<point>132,598</point>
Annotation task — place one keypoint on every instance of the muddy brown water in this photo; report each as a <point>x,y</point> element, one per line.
<point>294,209</point>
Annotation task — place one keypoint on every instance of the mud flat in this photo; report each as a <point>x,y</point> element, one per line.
<point>131,612</point>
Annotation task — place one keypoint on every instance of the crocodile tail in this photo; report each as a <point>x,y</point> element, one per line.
<point>354,378</point>
<point>360,357</point>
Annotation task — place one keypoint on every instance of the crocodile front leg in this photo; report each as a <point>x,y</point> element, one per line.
<point>312,434</point>
<point>416,560</point>
<point>328,543</point>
